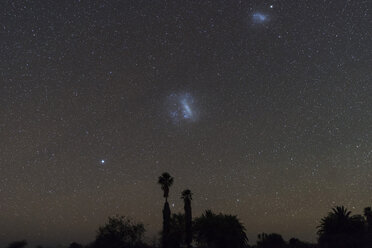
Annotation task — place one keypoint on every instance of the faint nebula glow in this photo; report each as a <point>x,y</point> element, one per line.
<point>181,107</point>
<point>186,110</point>
<point>259,17</point>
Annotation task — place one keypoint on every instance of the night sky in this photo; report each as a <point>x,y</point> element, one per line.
<point>262,108</point>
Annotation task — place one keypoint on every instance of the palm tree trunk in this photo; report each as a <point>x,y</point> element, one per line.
<point>188,223</point>
<point>166,224</point>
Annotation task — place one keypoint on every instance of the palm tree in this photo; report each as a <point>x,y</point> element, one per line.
<point>339,229</point>
<point>187,197</point>
<point>177,231</point>
<point>166,181</point>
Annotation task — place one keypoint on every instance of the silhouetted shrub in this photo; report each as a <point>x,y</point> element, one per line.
<point>18,244</point>
<point>75,245</point>
<point>270,241</point>
<point>120,232</point>
<point>220,231</point>
<point>296,243</point>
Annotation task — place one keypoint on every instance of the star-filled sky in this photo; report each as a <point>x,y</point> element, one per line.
<point>262,108</point>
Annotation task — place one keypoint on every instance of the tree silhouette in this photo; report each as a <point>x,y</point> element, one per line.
<point>220,231</point>
<point>166,181</point>
<point>368,236</point>
<point>270,241</point>
<point>339,229</point>
<point>368,216</point>
<point>119,232</point>
<point>75,245</point>
<point>177,230</point>
<point>18,244</point>
<point>296,243</point>
<point>187,197</point>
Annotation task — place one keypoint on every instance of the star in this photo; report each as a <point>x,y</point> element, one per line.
<point>264,104</point>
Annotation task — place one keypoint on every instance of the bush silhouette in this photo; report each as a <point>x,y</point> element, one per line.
<point>18,244</point>
<point>119,232</point>
<point>220,231</point>
<point>296,243</point>
<point>75,245</point>
<point>270,241</point>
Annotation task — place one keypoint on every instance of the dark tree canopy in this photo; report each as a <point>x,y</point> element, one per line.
<point>119,232</point>
<point>220,231</point>
<point>270,241</point>
<point>368,218</point>
<point>166,181</point>
<point>296,243</point>
<point>75,245</point>
<point>340,229</point>
<point>18,244</point>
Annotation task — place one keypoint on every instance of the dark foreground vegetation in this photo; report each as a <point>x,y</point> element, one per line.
<point>339,229</point>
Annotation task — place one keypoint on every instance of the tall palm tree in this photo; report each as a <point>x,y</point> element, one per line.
<point>187,197</point>
<point>166,181</point>
<point>177,231</point>
<point>340,229</point>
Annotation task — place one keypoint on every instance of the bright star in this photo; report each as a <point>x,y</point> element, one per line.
<point>102,161</point>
